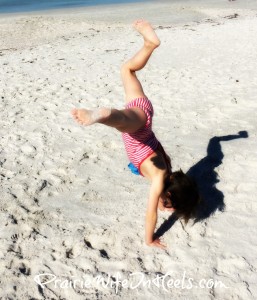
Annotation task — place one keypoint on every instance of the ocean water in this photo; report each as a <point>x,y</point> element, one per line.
<point>14,6</point>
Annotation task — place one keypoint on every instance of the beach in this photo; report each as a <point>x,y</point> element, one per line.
<point>72,214</point>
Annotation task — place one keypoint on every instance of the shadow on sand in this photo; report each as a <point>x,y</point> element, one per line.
<point>206,178</point>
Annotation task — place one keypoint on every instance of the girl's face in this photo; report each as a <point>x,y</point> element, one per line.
<point>167,202</point>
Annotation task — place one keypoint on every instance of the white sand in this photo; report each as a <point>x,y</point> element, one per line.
<point>70,207</point>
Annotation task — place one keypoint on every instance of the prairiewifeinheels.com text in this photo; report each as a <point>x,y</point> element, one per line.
<point>135,280</point>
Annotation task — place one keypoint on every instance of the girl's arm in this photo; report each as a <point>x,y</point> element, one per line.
<point>151,213</point>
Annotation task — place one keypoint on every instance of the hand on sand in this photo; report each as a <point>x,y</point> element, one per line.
<point>158,243</point>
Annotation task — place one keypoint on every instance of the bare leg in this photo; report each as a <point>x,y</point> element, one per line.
<point>127,120</point>
<point>132,86</point>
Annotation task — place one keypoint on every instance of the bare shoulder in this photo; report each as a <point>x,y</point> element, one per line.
<point>154,166</point>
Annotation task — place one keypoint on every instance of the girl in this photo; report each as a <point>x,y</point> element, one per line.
<point>175,192</point>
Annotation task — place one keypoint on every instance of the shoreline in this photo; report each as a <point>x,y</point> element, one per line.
<point>115,12</point>
<point>70,8</point>
<point>36,28</point>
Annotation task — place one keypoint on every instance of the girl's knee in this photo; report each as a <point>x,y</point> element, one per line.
<point>126,69</point>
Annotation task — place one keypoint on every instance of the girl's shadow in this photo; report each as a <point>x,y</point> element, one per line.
<point>206,178</point>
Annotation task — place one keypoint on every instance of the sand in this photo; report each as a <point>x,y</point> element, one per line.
<point>70,207</point>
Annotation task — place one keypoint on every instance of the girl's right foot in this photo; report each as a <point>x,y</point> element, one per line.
<point>89,117</point>
<point>148,33</point>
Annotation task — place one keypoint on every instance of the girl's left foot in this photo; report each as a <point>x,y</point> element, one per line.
<point>148,33</point>
<point>89,117</point>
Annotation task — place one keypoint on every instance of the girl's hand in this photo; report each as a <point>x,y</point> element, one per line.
<point>157,243</point>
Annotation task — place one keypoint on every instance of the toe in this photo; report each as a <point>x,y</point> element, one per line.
<point>135,23</point>
<point>74,111</point>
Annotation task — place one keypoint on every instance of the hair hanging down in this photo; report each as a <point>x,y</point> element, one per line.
<point>182,193</point>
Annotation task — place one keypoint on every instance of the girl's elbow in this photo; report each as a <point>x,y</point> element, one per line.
<point>151,214</point>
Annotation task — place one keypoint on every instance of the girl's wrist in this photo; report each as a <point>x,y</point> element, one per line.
<point>148,241</point>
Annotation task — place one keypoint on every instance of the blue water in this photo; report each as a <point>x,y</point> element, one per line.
<point>14,6</point>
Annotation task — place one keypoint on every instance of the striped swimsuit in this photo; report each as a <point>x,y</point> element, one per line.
<point>142,143</point>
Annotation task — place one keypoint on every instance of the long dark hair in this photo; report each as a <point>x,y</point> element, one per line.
<point>182,194</point>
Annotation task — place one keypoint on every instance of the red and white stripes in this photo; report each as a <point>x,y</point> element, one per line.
<point>142,143</point>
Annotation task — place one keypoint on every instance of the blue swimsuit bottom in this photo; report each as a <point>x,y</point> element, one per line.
<point>133,169</point>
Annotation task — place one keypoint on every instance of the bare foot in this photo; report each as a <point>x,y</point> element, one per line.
<point>148,33</point>
<point>89,117</point>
